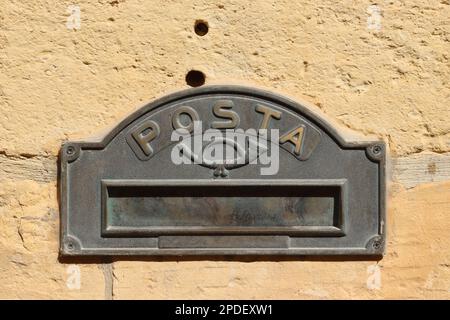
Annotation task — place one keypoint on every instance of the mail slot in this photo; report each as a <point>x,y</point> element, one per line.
<point>272,207</point>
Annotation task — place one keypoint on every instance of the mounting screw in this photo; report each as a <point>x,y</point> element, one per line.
<point>376,244</point>
<point>70,246</point>
<point>70,150</point>
<point>376,149</point>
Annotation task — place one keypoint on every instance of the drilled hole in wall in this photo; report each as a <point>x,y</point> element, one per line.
<point>195,78</point>
<point>201,27</point>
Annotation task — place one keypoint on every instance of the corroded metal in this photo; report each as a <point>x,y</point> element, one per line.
<point>124,195</point>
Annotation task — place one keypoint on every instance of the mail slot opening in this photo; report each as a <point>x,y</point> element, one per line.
<point>222,209</point>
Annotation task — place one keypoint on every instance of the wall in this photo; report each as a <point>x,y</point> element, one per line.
<point>381,70</point>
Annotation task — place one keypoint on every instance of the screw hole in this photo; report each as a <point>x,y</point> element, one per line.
<point>195,78</point>
<point>377,150</point>
<point>70,150</point>
<point>201,27</point>
<point>376,245</point>
<point>70,246</point>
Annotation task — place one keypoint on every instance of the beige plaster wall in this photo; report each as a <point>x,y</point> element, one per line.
<point>381,70</point>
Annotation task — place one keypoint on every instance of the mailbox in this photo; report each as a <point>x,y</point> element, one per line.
<point>225,170</point>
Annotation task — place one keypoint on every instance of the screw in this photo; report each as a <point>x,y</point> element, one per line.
<point>70,150</point>
<point>70,246</point>
<point>376,244</point>
<point>376,149</point>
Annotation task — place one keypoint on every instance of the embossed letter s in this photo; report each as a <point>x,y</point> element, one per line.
<point>221,110</point>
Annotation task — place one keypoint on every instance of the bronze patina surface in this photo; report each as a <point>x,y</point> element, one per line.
<point>125,196</point>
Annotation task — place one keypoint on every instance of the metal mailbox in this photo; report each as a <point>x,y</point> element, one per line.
<point>159,183</point>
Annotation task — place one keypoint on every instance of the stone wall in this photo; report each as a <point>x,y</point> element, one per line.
<point>380,69</point>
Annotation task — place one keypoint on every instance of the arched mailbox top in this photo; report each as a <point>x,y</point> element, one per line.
<point>301,108</point>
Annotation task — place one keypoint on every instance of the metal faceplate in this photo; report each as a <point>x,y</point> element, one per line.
<point>125,195</point>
